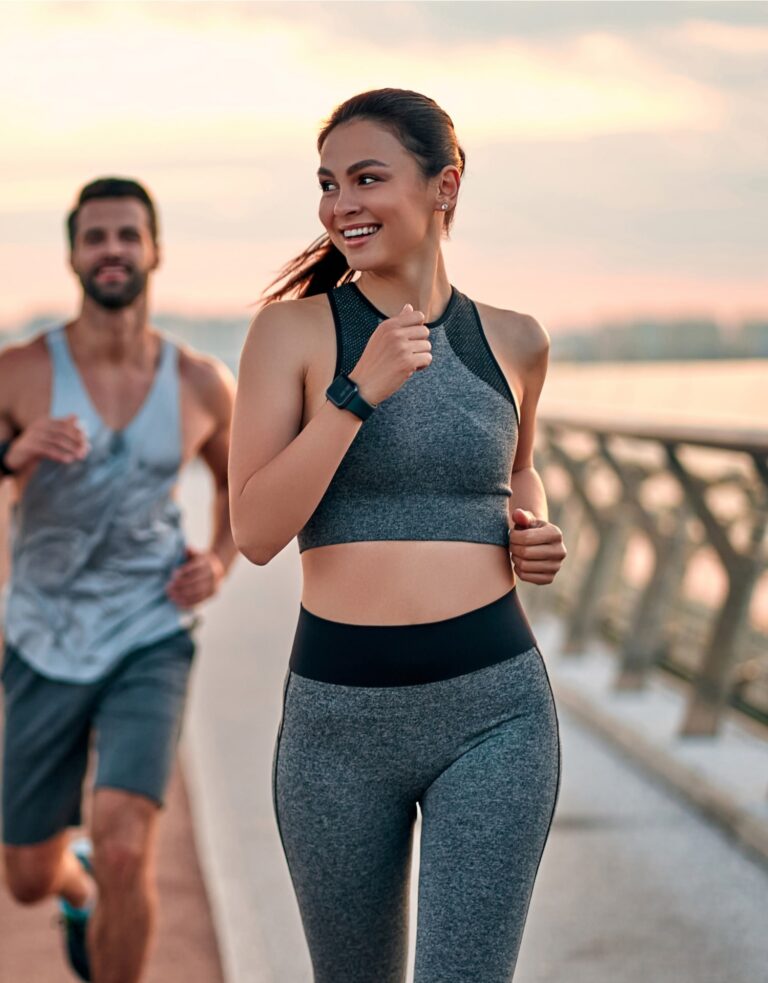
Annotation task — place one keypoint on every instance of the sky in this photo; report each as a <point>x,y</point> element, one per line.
<point>617,160</point>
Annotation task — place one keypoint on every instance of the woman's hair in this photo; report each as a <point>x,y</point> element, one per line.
<point>423,128</point>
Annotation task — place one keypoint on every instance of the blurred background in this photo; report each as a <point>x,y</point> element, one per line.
<point>616,190</point>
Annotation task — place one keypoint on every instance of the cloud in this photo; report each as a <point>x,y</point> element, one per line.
<point>121,81</point>
<point>732,39</point>
<point>401,24</point>
<point>623,143</point>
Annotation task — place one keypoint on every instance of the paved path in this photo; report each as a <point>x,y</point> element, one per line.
<point>634,887</point>
<point>186,950</point>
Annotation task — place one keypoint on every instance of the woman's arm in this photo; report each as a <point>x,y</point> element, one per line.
<point>532,359</point>
<point>277,472</point>
<point>535,544</point>
<point>528,494</point>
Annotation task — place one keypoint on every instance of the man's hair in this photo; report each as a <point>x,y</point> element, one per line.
<point>112,187</point>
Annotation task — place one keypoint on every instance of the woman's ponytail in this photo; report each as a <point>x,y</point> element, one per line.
<point>320,268</point>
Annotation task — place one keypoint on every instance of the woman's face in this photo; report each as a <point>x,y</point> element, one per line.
<point>376,204</point>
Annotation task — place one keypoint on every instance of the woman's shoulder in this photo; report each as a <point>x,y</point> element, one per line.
<point>289,337</point>
<point>296,314</point>
<point>302,325</point>
<point>519,336</point>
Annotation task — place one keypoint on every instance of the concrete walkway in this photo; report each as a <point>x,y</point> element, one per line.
<point>635,885</point>
<point>725,776</point>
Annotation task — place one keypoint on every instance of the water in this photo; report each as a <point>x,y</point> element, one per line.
<point>719,393</point>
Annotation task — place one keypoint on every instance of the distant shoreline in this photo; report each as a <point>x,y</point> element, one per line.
<point>636,339</point>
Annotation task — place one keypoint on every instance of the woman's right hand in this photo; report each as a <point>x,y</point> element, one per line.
<point>397,348</point>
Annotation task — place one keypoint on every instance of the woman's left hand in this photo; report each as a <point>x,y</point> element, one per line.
<point>536,547</point>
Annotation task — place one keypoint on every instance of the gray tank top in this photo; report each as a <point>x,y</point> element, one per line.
<point>434,460</point>
<point>95,542</point>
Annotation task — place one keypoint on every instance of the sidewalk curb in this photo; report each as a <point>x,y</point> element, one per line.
<point>711,799</point>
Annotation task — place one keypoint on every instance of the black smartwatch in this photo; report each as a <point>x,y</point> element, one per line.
<point>4,469</point>
<point>343,392</point>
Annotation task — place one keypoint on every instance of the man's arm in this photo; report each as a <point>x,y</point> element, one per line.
<point>29,434</point>
<point>215,453</point>
<point>8,428</point>
<point>7,431</point>
<point>199,577</point>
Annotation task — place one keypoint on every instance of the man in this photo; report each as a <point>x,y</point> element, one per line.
<point>96,419</point>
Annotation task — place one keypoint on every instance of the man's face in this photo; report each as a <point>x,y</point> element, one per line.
<point>113,252</point>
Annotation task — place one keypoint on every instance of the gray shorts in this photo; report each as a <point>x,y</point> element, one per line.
<point>133,713</point>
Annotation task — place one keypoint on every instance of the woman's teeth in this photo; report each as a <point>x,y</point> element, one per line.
<point>367,230</point>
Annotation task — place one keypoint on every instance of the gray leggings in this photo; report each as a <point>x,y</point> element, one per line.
<point>479,753</point>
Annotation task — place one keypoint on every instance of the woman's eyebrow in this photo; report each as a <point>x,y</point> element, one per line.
<point>324,172</point>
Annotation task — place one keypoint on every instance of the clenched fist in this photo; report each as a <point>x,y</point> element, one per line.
<point>536,548</point>
<point>61,439</point>
<point>397,348</point>
<point>196,580</point>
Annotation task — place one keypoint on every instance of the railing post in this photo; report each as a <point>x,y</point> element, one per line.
<point>581,618</point>
<point>712,685</point>
<point>612,531</point>
<point>645,642</point>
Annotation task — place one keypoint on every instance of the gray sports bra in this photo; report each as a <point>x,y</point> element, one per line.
<point>434,460</point>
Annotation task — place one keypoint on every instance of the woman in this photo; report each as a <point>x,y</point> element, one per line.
<point>415,679</point>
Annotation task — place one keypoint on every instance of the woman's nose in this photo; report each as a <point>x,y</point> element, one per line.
<point>346,203</point>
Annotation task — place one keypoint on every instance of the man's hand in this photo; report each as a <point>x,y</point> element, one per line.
<point>61,440</point>
<point>535,547</point>
<point>195,580</point>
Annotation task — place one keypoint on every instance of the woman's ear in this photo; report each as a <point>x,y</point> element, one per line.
<point>448,184</point>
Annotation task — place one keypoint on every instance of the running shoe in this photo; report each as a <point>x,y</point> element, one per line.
<point>75,920</point>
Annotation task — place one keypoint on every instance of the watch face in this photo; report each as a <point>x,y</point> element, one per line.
<point>341,390</point>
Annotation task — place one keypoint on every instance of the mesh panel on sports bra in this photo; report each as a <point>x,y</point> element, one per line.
<point>356,319</point>
<point>466,337</point>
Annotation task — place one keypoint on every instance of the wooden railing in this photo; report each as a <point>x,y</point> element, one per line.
<point>666,532</point>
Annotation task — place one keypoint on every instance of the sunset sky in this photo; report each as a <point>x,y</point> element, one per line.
<point>617,152</point>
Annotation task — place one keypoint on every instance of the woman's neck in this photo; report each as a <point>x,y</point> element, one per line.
<point>423,285</point>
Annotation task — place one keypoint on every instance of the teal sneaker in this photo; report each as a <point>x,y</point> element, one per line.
<point>75,920</point>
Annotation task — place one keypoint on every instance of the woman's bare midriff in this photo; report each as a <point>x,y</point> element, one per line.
<point>403,583</point>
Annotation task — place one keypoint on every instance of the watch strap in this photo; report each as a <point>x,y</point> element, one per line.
<point>360,407</point>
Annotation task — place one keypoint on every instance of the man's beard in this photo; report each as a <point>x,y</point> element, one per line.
<point>114,296</point>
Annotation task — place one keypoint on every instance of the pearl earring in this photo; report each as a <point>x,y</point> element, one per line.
<point>444,205</point>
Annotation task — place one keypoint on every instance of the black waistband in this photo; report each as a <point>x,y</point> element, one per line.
<point>408,655</point>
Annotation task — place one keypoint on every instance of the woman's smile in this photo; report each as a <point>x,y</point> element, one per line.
<point>357,235</point>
